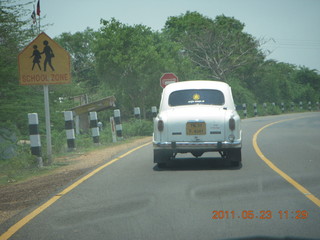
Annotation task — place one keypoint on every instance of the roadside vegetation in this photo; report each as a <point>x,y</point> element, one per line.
<point>127,61</point>
<point>22,165</point>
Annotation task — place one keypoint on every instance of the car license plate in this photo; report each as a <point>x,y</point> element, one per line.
<point>196,128</point>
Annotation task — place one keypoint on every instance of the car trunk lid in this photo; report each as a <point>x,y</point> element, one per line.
<point>196,124</point>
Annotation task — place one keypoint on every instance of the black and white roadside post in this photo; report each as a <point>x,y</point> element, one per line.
<point>244,110</point>
<point>255,109</point>
<point>69,126</point>
<point>317,104</point>
<point>117,119</point>
<point>136,112</point>
<point>35,141</point>
<point>301,106</point>
<point>282,107</point>
<point>265,107</point>
<point>154,111</point>
<point>309,106</point>
<point>94,127</point>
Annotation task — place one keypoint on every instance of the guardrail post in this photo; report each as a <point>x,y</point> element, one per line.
<point>35,141</point>
<point>154,111</point>
<point>255,109</point>
<point>282,107</point>
<point>94,127</point>
<point>117,119</point>
<point>69,126</point>
<point>136,112</point>
<point>244,110</point>
<point>265,107</point>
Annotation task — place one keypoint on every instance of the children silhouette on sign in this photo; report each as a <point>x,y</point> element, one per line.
<point>47,51</point>
<point>36,57</point>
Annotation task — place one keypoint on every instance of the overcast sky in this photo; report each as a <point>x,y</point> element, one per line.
<point>293,25</point>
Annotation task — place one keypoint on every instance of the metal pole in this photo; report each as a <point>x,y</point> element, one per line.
<point>48,127</point>
<point>39,22</point>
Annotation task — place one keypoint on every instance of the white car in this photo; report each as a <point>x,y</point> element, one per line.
<point>197,117</point>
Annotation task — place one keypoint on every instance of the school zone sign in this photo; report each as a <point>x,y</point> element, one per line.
<point>44,62</point>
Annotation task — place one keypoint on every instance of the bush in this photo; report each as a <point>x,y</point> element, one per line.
<point>13,168</point>
<point>137,127</point>
<point>8,140</point>
<point>83,141</point>
<point>59,141</point>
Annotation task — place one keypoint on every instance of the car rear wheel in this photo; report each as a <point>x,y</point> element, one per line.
<point>162,165</point>
<point>161,157</point>
<point>234,156</point>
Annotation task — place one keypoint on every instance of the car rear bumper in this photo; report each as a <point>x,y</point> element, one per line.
<point>206,146</point>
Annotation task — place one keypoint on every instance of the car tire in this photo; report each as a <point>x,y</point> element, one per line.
<point>234,156</point>
<point>161,156</point>
<point>162,165</point>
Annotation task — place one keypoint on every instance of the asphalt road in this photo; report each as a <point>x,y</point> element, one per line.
<point>201,198</point>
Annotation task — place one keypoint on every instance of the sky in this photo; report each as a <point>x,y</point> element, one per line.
<point>291,28</point>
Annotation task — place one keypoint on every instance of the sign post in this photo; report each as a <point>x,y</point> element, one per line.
<point>48,124</point>
<point>168,78</point>
<point>44,62</point>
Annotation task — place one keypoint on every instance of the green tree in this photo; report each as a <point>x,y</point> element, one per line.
<point>80,47</point>
<point>274,82</point>
<point>218,46</point>
<point>131,59</point>
<point>283,82</point>
<point>308,81</point>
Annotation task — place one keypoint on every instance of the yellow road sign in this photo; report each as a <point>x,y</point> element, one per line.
<point>44,62</point>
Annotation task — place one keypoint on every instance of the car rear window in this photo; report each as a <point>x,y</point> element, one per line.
<point>196,96</point>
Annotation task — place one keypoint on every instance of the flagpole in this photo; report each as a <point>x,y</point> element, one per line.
<point>46,106</point>
<point>39,31</point>
<point>38,13</point>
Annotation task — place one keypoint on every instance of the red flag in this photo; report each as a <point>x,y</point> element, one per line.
<point>38,8</point>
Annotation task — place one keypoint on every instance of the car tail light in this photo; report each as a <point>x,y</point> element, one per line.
<point>160,125</point>
<point>232,124</point>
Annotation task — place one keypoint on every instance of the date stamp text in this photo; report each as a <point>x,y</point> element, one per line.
<point>260,214</point>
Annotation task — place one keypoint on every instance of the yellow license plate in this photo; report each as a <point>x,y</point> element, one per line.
<point>196,128</point>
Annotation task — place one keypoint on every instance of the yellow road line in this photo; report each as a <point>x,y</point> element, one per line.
<point>294,183</point>
<point>13,229</point>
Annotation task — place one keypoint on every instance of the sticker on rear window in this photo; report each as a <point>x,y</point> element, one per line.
<point>196,96</point>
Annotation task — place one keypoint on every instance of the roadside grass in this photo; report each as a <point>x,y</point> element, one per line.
<point>23,165</point>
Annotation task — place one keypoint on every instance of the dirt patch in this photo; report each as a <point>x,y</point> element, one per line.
<point>16,197</point>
